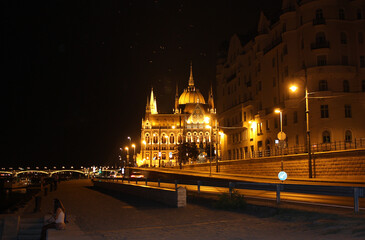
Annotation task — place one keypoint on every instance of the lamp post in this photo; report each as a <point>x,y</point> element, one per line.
<point>281,137</point>
<point>127,149</point>
<point>144,152</point>
<point>121,155</point>
<point>293,88</point>
<point>134,154</point>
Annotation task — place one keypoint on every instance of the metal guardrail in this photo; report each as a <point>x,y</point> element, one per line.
<point>344,191</point>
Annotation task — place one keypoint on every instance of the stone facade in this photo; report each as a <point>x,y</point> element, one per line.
<point>316,45</point>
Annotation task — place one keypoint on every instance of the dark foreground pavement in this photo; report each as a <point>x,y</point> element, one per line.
<point>105,215</point>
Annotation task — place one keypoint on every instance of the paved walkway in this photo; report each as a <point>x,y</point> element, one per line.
<point>103,216</point>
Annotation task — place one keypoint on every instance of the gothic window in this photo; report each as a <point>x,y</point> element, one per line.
<point>163,138</point>
<point>155,138</point>
<point>147,138</point>
<point>326,136</point>
<point>172,138</point>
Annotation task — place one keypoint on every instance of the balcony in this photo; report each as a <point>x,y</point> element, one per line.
<point>319,21</point>
<point>319,45</point>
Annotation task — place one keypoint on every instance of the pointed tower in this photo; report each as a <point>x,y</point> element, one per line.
<point>153,103</point>
<point>176,110</point>
<point>148,106</point>
<point>210,98</point>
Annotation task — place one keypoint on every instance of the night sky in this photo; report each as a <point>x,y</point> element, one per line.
<point>77,73</point>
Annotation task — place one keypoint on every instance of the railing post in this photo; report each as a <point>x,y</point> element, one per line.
<point>199,183</point>
<point>231,186</point>
<point>356,200</point>
<point>146,181</point>
<point>159,182</point>
<point>277,193</point>
<point>176,184</point>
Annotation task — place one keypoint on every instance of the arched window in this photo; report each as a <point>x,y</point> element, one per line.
<point>163,138</point>
<point>348,136</point>
<point>343,38</point>
<point>346,86</point>
<point>323,86</point>
<point>320,38</point>
<point>326,136</point>
<point>319,14</point>
<point>155,138</point>
<point>172,138</point>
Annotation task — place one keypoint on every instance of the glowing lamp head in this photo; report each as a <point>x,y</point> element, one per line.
<point>277,110</point>
<point>133,145</point>
<point>293,88</point>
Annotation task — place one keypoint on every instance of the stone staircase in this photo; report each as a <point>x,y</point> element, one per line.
<point>30,228</point>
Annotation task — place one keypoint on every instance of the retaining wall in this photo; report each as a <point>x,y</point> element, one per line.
<point>348,164</point>
<point>175,198</point>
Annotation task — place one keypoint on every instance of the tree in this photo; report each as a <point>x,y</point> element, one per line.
<point>186,151</point>
<point>207,150</point>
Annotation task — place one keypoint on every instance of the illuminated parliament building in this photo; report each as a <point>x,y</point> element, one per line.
<point>193,120</point>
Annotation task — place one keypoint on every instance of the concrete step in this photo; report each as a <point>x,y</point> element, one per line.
<point>30,228</point>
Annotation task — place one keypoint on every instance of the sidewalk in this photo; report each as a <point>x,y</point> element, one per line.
<point>106,215</point>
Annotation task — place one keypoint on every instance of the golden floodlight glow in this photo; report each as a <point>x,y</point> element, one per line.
<point>221,134</point>
<point>293,88</point>
<point>127,148</point>
<point>133,145</point>
<point>144,142</point>
<point>208,126</point>
<point>277,110</point>
<point>207,119</point>
<point>173,127</point>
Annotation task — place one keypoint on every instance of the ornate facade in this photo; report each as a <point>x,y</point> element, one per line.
<point>318,45</point>
<point>193,120</point>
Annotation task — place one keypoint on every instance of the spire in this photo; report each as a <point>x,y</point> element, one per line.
<point>191,80</point>
<point>148,106</point>
<point>177,99</point>
<point>210,98</point>
<point>153,103</point>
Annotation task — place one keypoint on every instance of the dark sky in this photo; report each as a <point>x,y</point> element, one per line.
<point>77,73</point>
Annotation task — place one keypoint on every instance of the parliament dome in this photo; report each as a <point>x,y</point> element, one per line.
<point>191,95</point>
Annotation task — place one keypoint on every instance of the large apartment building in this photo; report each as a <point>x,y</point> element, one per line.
<point>317,45</point>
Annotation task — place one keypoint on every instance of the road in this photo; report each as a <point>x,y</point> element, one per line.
<point>102,215</point>
<point>308,199</point>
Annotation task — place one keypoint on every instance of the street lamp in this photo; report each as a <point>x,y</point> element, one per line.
<point>127,149</point>
<point>134,154</point>
<point>210,150</point>
<point>281,137</point>
<point>293,88</point>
